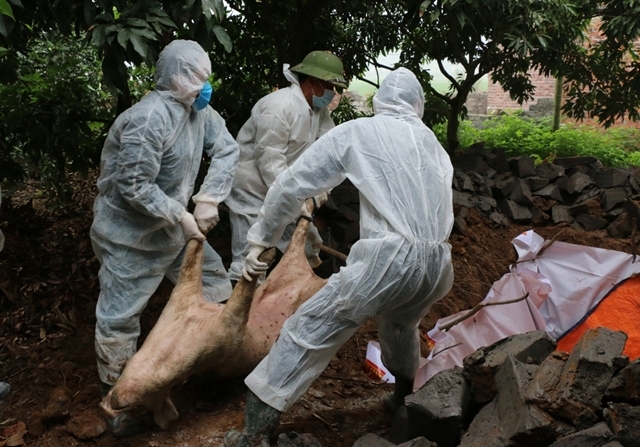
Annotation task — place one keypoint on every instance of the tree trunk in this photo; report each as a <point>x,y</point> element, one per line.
<point>557,103</point>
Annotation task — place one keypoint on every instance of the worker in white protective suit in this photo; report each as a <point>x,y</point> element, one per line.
<point>282,126</point>
<point>148,170</point>
<point>400,266</point>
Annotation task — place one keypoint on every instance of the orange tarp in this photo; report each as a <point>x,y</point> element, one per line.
<point>619,311</point>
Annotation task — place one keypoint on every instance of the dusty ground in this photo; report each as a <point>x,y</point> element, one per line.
<point>48,290</point>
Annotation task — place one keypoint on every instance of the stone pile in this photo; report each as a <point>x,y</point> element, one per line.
<point>575,190</point>
<point>520,391</point>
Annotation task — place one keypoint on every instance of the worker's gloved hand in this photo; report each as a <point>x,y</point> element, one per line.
<point>190,228</point>
<point>252,266</point>
<point>206,215</point>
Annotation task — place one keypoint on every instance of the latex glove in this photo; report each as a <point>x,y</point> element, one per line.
<point>190,228</point>
<point>252,266</point>
<point>206,215</point>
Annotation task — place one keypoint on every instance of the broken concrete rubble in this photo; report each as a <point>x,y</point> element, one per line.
<point>531,395</point>
<point>568,182</point>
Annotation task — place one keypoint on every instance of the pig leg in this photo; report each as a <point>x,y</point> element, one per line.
<point>191,335</point>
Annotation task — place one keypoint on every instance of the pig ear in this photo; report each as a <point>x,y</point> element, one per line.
<point>268,255</point>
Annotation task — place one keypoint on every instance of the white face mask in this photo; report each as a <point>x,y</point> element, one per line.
<point>324,100</point>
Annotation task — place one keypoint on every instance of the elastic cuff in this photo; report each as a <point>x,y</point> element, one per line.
<point>205,198</point>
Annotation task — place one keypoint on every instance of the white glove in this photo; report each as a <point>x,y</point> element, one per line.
<point>206,214</point>
<point>253,267</point>
<point>190,228</point>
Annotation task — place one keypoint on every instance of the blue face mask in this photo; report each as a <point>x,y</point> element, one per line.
<point>324,100</point>
<point>203,98</point>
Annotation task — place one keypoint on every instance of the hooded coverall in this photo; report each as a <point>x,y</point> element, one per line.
<point>148,171</point>
<point>402,263</point>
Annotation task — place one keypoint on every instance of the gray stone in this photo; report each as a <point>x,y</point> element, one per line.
<point>535,183</point>
<point>571,162</point>
<point>621,227</point>
<point>613,197</point>
<point>576,183</point>
<point>549,171</point>
<point>471,162</point>
<point>481,366</point>
<point>625,385</point>
<point>522,166</point>
<point>588,372</point>
<point>594,436</point>
<point>419,442</point>
<point>371,440</point>
<point>480,183</point>
<point>485,204</point>
<point>437,411</point>
<point>577,209</point>
<point>503,186</point>
<point>484,430</point>
<point>499,219</point>
<point>538,217</point>
<point>550,192</point>
<point>463,181</point>
<point>520,421</point>
<point>591,223</point>
<point>462,199</point>
<point>610,178</point>
<point>560,213</point>
<point>515,212</point>
<point>545,380</point>
<point>501,163</point>
<point>624,421</point>
<point>460,225</point>
<point>521,193</point>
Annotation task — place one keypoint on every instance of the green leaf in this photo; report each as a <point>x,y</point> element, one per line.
<point>3,51</point>
<point>5,8</point>
<point>5,27</point>
<point>147,32</point>
<point>17,3</point>
<point>207,8</point>
<point>98,35</point>
<point>423,6</point>
<point>140,45</point>
<point>123,37</point>
<point>223,37</point>
<point>219,7</point>
<point>139,23</point>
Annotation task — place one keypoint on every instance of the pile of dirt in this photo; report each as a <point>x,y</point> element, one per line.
<point>48,292</point>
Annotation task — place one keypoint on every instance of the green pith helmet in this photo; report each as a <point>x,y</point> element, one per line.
<point>322,65</point>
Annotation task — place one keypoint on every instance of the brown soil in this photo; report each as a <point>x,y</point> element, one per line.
<point>48,290</point>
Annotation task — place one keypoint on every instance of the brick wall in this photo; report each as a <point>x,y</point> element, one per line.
<point>498,99</point>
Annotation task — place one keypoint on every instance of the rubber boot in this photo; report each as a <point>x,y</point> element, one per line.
<point>403,387</point>
<point>5,389</point>
<point>260,423</point>
<point>125,424</point>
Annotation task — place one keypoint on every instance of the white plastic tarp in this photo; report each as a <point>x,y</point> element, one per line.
<point>564,283</point>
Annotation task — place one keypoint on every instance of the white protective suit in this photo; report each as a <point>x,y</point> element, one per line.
<point>402,263</point>
<point>148,170</point>
<point>281,127</point>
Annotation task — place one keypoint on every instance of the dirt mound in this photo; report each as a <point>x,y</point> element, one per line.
<point>48,291</point>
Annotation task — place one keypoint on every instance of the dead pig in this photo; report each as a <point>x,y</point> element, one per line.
<point>193,336</point>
